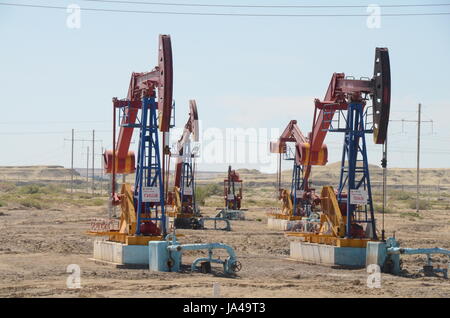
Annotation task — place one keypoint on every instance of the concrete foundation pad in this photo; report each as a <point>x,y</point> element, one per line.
<point>121,254</point>
<point>328,254</point>
<point>280,224</point>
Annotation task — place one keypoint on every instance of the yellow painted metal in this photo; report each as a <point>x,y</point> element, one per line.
<point>332,212</point>
<point>329,239</point>
<point>180,215</point>
<point>284,217</point>
<point>286,208</point>
<point>141,239</point>
<point>127,164</point>
<point>176,206</point>
<point>332,229</point>
<point>286,203</point>
<point>305,157</point>
<point>127,223</point>
<point>177,200</point>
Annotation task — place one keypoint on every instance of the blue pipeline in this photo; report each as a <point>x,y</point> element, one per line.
<point>227,222</point>
<point>409,251</point>
<point>208,246</point>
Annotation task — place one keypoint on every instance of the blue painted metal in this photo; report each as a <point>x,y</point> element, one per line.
<point>352,175</point>
<point>296,185</point>
<point>227,223</point>
<point>228,264</point>
<point>169,252</point>
<point>148,170</point>
<point>231,214</point>
<point>187,180</point>
<point>135,254</point>
<point>387,255</point>
<point>299,206</point>
<point>162,259</point>
<point>410,251</point>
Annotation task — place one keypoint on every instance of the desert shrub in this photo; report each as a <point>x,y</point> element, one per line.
<point>204,191</point>
<point>85,196</point>
<point>32,203</point>
<point>7,187</point>
<point>30,189</point>
<point>403,196</point>
<point>410,215</point>
<point>95,202</point>
<point>2,203</point>
<point>423,204</point>
<point>52,189</point>
<point>387,209</point>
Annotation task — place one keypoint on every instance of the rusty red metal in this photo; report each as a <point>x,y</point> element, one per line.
<point>343,91</point>
<point>232,196</point>
<point>141,85</point>
<point>120,159</point>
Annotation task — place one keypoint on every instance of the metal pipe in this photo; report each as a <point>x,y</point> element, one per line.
<point>409,251</point>
<point>226,228</point>
<point>205,259</point>
<point>203,246</point>
<point>228,263</point>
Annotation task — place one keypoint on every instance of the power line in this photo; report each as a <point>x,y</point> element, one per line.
<point>224,14</point>
<point>286,6</point>
<point>25,133</point>
<point>52,122</point>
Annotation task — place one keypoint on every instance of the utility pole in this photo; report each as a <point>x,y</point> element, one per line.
<point>101,176</point>
<point>93,160</point>
<point>71,165</point>
<point>419,121</point>
<point>418,159</point>
<point>73,140</point>
<point>87,170</point>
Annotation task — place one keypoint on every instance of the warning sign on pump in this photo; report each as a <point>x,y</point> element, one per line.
<point>358,196</point>
<point>150,194</point>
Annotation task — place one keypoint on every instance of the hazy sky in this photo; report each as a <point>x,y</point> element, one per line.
<point>249,72</point>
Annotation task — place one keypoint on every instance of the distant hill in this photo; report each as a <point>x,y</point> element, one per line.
<point>397,178</point>
<point>35,173</point>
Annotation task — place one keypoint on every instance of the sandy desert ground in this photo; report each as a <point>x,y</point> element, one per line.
<point>37,245</point>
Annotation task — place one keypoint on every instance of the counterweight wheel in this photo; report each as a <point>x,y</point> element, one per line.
<point>165,86</point>
<point>382,95</point>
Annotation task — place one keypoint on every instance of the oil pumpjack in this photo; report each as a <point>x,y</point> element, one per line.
<point>142,236</point>
<point>182,199</point>
<point>301,200</point>
<point>347,216</point>
<point>147,107</point>
<point>232,194</point>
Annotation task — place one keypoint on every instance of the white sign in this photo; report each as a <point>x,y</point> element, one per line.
<point>188,191</point>
<point>358,196</point>
<point>150,194</point>
<point>230,196</point>
<point>299,193</point>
